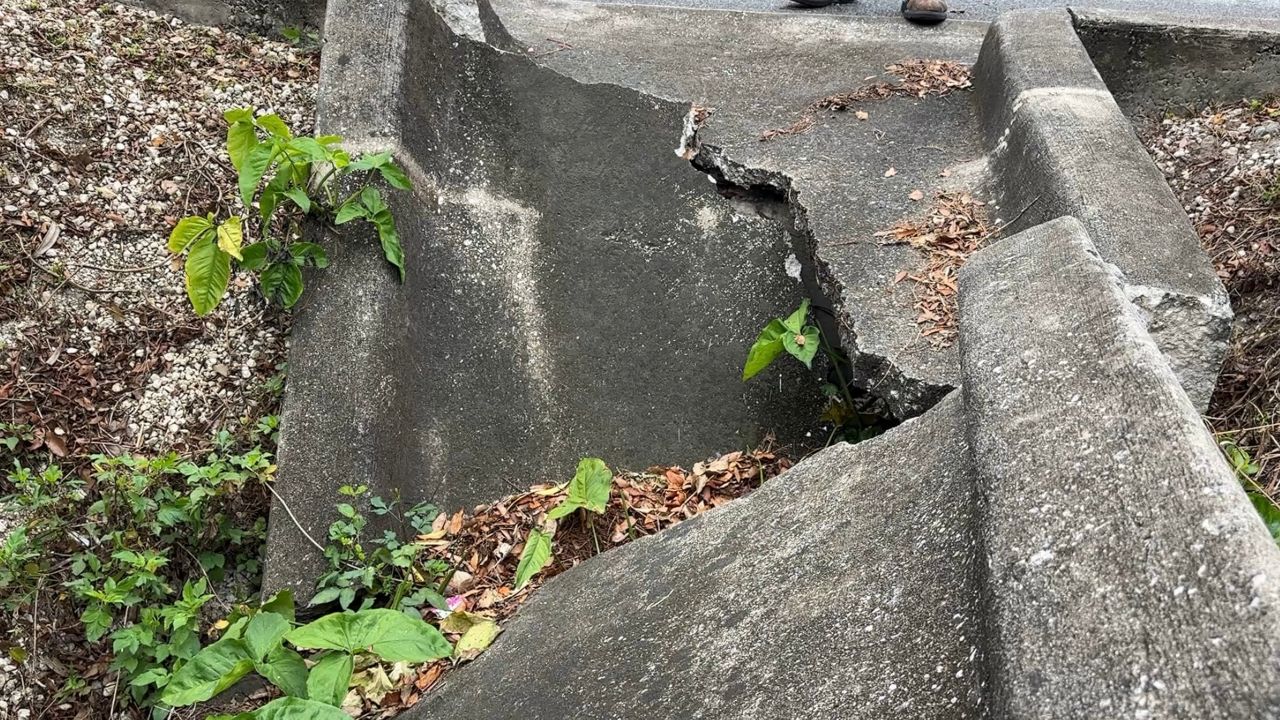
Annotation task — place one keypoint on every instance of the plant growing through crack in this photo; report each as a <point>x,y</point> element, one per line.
<point>303,175</point>
<point>799,337</point>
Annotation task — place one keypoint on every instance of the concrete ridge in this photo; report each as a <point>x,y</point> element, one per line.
<point>1059,142</point>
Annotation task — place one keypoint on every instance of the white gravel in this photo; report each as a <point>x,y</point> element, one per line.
<point>112,129</point>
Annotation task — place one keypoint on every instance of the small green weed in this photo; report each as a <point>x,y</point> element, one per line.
<point>1246,469</point>
<point>380,567</point>
<point>136,544</point>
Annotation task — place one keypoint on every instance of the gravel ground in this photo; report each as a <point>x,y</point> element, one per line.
<point>112,130</point>
<point>1224,164</point>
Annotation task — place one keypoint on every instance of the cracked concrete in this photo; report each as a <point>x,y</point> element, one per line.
<point>833,176</point>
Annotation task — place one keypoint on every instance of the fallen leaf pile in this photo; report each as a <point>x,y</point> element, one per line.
<point>916,78</point>
<point>484,546</point>
<point>954,229</point>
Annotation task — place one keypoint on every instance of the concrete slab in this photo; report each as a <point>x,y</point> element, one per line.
<point>1128,575</point>
<point>847,588</point>
<point>1061,146</point>
<point>1059,539</point>
<point>760,71</point>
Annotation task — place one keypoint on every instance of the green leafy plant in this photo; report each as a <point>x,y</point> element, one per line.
<point>588,491</point>
<point>256,644</point>
<point>302,175</point>
<point>793,335</point>
<point>383,566</point>
<point>1246,470</point>
<point>799,337</point>
<point>135,546</point>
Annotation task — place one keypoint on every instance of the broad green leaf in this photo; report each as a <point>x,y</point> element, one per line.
<point>588,489</point>
<point>231,237</point>
<point>1269,511</point>
<point>282,282</point>
<point>335,631</point>
<point>274,125</point>
<point>212,670</point>
<point>803,345</point>
<point>308,252</point>
<point>292,708</point>
<point>253,256</point>
<point>795,323</point>
<point>400,638</point>
<point>767,347</point>
<point>390,239</point>
<point>371,198</point>
<point>254,167</point>
<point>476,639</point>
<point>235,115</point>
<point>327,140</point>
<point>309,148</point>
<point>299,198</point>
<point>188,230</point>
<point>534,557</point>
<point>208,270</point>
<point>330,678</point>
<point>264,633</point>
<point>395,177</point>
<point>242,138</point>
<point>286,670</point>
<point>349,211</point>
<point>370,161</point>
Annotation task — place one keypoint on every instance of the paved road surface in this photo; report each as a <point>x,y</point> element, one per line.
<point>987,9</point>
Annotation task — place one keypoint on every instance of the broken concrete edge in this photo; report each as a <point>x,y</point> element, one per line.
<point>870,371</point>
<point>1060,145</point>
<point>1126,569</point>
<point>1058,539</point>
<point>1155,63</point>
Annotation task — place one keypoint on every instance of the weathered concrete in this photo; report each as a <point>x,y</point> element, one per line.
<point>758,71</point>
<point>1061,146</point>
<point>1128,575</point>
<point>1155,63</point>
<point>844,589</point>
<point>1060,539</point>
<point>573,287</point>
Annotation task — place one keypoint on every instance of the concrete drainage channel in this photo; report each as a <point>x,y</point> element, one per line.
<point>1053,535</point>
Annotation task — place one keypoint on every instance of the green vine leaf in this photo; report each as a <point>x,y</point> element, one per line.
<point>803,345</point>
<point>274,125</point>
<point>534,557</point>
<point>588,489</point>
<point>795,322</point>
<point>767,347</point>
<point>286,670</point>
<point>330,678</point>
<point>207,270</point>
<point>188,230</point>
<point>282,282</point>
<point>212,670</point>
